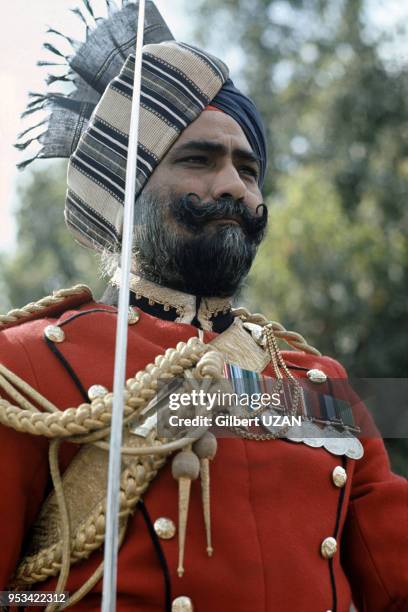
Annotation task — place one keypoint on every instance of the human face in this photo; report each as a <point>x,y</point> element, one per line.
<point>212,159</point>
<point>200,219</point>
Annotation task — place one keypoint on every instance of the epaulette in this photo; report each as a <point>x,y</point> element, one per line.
<point>49,306</point>
<point>255,322</point>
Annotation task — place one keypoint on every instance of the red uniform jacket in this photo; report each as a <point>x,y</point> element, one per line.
<point>273,502</point>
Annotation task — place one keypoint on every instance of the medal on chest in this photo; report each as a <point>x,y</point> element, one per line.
<point>320,420</point>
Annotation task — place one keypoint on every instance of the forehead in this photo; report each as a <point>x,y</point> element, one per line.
<point>215,126</point>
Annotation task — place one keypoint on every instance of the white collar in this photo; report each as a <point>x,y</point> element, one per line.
<point>184,303</point>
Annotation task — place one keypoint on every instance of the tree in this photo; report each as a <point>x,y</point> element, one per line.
<point>334,264</point>
<point>46,257</point>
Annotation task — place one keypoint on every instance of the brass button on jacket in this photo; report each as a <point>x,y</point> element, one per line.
<point>182,604</point>
<point>54,333</point>
<point>328,548</point>
<point>96,391</point>
<point>133,316</point>
<point>316,376</point>
<point>165,528</point>
<point>339,476</point>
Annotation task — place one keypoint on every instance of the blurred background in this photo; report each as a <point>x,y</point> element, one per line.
<point>330,79</point>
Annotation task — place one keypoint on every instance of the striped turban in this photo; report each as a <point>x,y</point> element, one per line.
<point>178,82</point>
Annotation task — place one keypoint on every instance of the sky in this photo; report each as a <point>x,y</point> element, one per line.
<point>22,33</point>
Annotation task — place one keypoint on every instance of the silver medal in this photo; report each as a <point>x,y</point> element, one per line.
<point>312,435</point>
<point>313,442</point>
<point>295,434</point>
<point>335,446</point>
<point>334,441</point>
<point>355,449</point>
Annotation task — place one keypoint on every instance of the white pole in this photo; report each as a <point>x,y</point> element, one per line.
<point>112,501</point>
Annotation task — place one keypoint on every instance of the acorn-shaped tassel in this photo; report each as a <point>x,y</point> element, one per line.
<point>205,449</point>
<point>185,468</point>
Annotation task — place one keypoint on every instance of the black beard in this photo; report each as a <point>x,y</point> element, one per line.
<point>206,260</point>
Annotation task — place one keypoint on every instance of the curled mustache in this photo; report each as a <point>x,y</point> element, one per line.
<point>192,212</point>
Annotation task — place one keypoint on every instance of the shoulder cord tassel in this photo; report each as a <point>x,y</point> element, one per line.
<point>277,360</point>
<point>185,468</point>
<point>205,449</point>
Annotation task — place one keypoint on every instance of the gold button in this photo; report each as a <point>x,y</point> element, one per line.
<point>316,376</point>
<point>165,528</point>
<point>339,476</point>
<point>54,333</point>
<point>328,548</point>
<point>182,604</point>
<point>133,316</point>
<point>96,391</point>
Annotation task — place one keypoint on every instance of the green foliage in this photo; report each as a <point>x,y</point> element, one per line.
<point>46,257</point>
<point>334,263</point>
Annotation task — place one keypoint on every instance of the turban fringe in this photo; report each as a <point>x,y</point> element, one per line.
<point>89,66</point>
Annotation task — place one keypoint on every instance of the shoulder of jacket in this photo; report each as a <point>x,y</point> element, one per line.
<point>334,365</point>
<point>304,356</point>
<point>308,361</point>
<point>256,322</point>
<point>50,306</point>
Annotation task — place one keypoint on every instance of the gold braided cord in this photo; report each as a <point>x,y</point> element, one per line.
<point>278,364</point>
<point>58,297</point>
<point>148,458</point>
<point>64,519</point>
<point>18,383</point>
<point>92,580</point>
<point>15,395</point>
<point>295,340</point>
<point>81,424</point>
<point>157,449</point>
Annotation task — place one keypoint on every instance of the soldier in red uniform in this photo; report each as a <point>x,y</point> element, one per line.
<point>295,525</point>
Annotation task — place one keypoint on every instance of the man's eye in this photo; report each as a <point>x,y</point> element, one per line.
<point>249,171</point>
<point>194,159</point>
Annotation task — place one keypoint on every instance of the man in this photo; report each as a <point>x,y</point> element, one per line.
<point>293,527</point>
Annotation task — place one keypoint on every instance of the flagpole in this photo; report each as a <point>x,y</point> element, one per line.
<point>114,470</point>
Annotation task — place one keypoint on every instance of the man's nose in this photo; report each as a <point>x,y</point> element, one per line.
<point>228,184</point>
